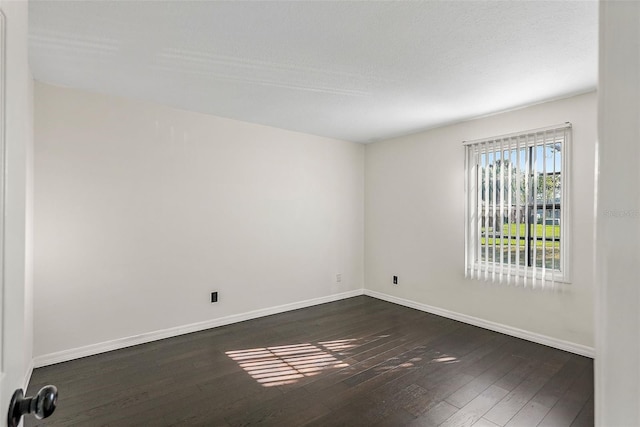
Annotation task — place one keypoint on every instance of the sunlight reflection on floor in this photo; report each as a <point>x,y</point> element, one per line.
<point>446,359</point>
<point>280,365</point>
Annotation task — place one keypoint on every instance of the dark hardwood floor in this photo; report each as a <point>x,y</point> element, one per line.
<point>355,362</point>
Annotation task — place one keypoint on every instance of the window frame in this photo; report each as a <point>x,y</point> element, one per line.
<point>495,271</point>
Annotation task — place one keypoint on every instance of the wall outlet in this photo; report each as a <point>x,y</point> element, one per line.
<point>395,280</point>
<point>339,278</point>
<point>214,297</point>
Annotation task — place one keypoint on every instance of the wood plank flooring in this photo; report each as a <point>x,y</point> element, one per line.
<point>355,362</point>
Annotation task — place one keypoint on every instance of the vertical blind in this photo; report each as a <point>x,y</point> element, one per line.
<point>516,229</point>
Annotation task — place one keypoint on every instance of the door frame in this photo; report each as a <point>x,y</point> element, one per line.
<point>3,131</point>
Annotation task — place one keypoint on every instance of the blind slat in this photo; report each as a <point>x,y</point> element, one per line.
<point>486,211</point>
<point>544,213</point>
<point>501,213</point>
<point>553,214</point>
<point>493,212</point>
<point>466,212</point>
<point>518,213</point>
<point>478,253</point>
<point>533,169</point>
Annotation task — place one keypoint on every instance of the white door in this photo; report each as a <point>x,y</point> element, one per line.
<point>14,131</point>
<point>16,207</point>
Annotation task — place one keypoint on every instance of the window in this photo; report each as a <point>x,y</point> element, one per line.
<point>516,228</point>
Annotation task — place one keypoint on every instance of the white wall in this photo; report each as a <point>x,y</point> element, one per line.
<point>414,224</point>
<point>18,333</point>
<point>142,210</point>
<point>618,218</point>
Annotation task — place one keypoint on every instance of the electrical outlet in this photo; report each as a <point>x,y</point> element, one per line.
<point>395,280</point>
<point>214,297</point>
<point>339,278</point>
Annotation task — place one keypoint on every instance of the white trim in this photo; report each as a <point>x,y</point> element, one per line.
<point>580,349</point>
<point>93,349</point>
<point>3,179</point>
<point>90,350</point>
<point>27,376</point>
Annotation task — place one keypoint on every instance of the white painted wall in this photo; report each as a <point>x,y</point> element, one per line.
<point>18,333</point>
<point>142,210</point>
<point>414,204</point>
<point>618,218</point>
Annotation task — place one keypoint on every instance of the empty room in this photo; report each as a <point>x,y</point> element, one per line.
<point>320,213</point>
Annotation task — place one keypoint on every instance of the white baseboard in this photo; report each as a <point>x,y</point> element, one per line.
<point>90,350</point>
<point>580,349</point>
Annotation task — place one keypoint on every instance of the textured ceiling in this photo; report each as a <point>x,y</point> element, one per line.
<point>358,71</point>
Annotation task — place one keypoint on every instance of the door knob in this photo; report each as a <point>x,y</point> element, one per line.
<point>41,405</point>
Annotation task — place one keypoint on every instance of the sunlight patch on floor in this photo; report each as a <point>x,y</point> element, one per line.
<point>445,359</point>
<point>287,364</point>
